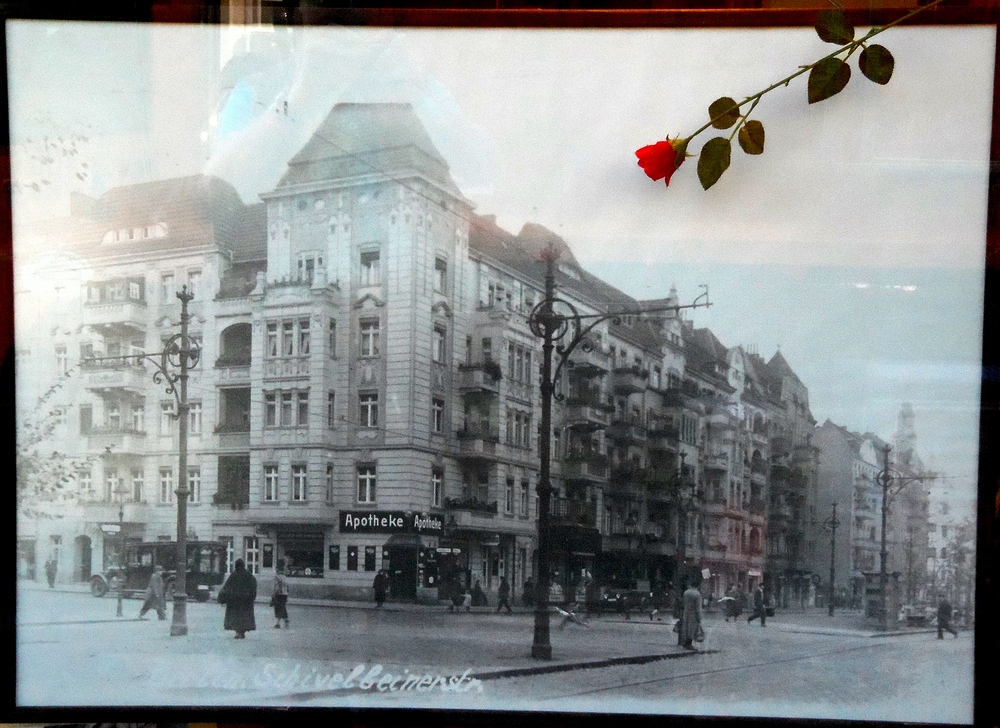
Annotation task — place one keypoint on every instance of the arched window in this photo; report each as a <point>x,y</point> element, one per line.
<point>234,348</point>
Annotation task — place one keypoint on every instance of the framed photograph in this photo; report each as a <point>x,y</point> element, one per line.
<point>615,363</point>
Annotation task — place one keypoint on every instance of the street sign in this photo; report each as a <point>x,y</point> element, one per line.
<point>110,527</point>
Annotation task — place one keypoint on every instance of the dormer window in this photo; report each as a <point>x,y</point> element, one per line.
<point>127,234</point>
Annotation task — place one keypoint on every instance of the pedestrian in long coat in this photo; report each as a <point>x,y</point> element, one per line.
<point>690,617</point>
<point>50,572</point>
<point>381,587</point>
<point>503,594</point>
<point>279,596</point>
<point>944,618</point>
<point>156,595</point>
<point>238,594</point>
<point>758,607</point>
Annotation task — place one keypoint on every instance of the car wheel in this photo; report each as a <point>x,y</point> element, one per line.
<point>98,587</point>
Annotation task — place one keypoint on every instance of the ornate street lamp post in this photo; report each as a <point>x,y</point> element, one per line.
<point>555,319</point>
<point>180,354</point>
<point>120,493</point>
<point>885,478</point>
<point>831,524</point>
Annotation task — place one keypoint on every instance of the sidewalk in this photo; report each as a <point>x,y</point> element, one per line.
<point>845,622</point>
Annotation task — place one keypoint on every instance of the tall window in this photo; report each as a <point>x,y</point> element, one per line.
<point>329,482</point>
<point>251,553</point>
<point>437,415</point>
<point>110,485</point>
<point>194,282</point>
<point>167,289</point>
<point>508,496</point>
<point>304,337</point>
<point>288,338</point>
<point>437,486</point>
<point>438,344</point>
<point>194,485</point>
<point>166,485</point>
<point>487,349</point>
<point>114,417</point>
<point>370,270</point>
<point>331,411</point>
<point>370,338</point>
<point>270,409</point>
<point>286,409</point>
<point>62,359</point>
<point>86,481</point>
<point>270,483</point>
<point>331,344</point>
<point>524,498</point>
<point>302,408</point>
<point>272,339</point>
<point>368,416</point>
<point>440,275</point>
<point>137,485</point>
<point>299,482</point>
<point>194,418</point>
<point>138,417</point>
<point>166,418</point>
<point>366,484</point>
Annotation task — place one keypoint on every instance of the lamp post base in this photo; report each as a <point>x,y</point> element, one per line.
<point>541,652</point>
<point>178,628</point>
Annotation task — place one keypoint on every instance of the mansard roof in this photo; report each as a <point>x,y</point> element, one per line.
<point>196,210</point>
<point>361,140</point>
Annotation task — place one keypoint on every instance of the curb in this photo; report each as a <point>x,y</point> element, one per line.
<point>589,665</point>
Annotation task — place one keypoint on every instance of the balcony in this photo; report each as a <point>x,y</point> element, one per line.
<point>297,366</point>
<point>470,504</point>
<point>111,373</point>
<point>586,414</point>
<point>628,380</point>
<point>627,431</point>
<point>110,316</point>
<point>122,439</point>
<point>470,514</point>
<point>481,378</point>
<point>588,467</point>
<point>574,513</point>
<point>231,370</point>
<point>757,507</point>
<point>236,499</point>
<point>664,439</point>
<point>593,363</point>
<point>718,462</point>
<point>477,442</point>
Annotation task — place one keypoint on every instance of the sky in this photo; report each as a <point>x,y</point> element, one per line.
<point>855,243</point>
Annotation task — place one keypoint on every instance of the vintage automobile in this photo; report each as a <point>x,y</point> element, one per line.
<point>626,600</point>
<point>206,569</point>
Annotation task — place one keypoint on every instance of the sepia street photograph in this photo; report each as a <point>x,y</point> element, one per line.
<point>629,371</point>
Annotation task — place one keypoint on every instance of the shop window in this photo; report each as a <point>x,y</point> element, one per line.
<point>251,553</point>
<point>352,558</point>
<point>333,560</point>
<point>369,558</point>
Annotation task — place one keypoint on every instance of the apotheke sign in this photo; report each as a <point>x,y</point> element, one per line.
<point>390,522</point>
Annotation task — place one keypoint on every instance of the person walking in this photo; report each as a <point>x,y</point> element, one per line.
<point>381,588</point>
<point>592,598</point>
<point>156,595</point>
<point>528,593</point>
<point>732,603</point>
<point>478,595</point>
<point>238,595</point>
<point>944,618</point>
<point>279,595</point>
<point>503,595</point>
<point>50,572</point>
<point>690,623</point>
<point>758,607</point>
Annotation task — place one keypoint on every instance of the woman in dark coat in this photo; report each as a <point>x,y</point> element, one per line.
<point>381,587</point>
<point>691,617</point>
<point>238,594</point>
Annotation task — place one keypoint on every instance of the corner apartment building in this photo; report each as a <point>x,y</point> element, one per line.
<point>367,392</point>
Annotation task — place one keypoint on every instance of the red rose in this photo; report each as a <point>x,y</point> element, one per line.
<point>660,160</point>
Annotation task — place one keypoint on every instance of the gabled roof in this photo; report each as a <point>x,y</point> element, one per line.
<point>365,139</point>
<point>781,368</point>
<point>522,254</point>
